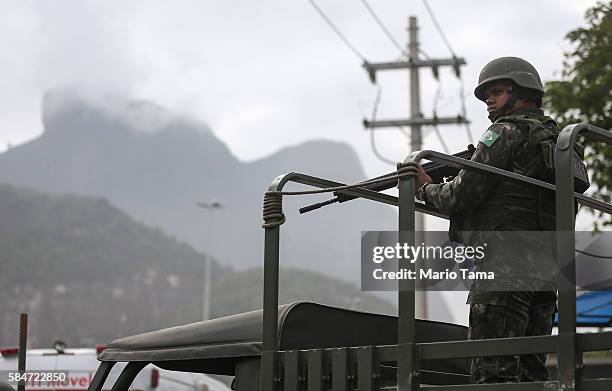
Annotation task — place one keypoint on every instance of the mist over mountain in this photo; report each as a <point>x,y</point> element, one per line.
<point>156,165</point>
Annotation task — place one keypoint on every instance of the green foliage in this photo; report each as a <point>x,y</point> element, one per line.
<point>584,92</point>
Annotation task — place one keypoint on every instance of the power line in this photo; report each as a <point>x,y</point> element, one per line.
<point>435,115</point>
<point>377,153</point>
<point>375,111</point>
<point>441,139</point>
<point>424,54</point>
<point>337,31</point>
<point>593,255</point>
<point>437,97</point>
<point>372,139</point>
<point>450,49</point>
<point>382,26</point>
<point>463,109</point>
<point>433,18</point>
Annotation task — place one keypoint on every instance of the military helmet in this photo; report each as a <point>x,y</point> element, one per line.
<point>514,69</point>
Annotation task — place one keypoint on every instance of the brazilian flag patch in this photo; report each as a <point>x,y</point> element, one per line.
<point>489,138</point>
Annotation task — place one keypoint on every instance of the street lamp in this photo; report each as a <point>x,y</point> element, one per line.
<point>210,206</point>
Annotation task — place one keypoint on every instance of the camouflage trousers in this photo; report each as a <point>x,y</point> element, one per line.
<point>510,314</point>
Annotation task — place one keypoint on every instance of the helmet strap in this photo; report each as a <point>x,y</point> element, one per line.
<point>495,115</point>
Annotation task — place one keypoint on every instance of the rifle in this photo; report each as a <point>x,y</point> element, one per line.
<point>437,171</point>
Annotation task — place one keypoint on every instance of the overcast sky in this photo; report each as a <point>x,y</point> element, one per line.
<point>267,74</point>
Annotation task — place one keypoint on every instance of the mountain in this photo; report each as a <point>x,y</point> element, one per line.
<point>155,166</point>
<point>87,273</point>
<point>246,292</point>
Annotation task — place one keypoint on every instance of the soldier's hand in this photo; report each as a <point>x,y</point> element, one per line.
<point>423,178</point>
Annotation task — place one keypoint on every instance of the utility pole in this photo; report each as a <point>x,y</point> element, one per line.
<point>210,206</point>
<point>415,90</point>
<point>416,119</point>
<point>420,296</point>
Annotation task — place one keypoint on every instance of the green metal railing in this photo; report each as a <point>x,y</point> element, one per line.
<point>397,366</point>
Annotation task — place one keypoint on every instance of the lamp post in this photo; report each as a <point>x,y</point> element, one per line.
<point>211,206</point>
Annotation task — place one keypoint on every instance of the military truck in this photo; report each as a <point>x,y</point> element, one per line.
<point>79,364</point>
<point>307,346</point>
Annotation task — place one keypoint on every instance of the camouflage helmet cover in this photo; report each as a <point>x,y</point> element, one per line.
<point>515,69</point>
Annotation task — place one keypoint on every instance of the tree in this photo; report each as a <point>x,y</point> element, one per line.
<point>584,92</point>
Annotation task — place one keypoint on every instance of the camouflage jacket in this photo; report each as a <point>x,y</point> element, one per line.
<point>480,204</point>
<point>511,143</point>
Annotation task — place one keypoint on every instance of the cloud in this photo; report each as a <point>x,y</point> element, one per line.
<point>138,115</point>
<point>263,74</point>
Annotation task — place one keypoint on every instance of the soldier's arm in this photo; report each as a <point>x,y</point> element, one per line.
<point>469,189</point>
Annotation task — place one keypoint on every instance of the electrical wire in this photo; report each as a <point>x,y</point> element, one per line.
<point>376,102</point>
<point>452,52</point>
<point>442,142</point>
<point>593,255</point>
<point>377,153</point>
<point>404,132</point>
<point>372,130</point>
<point>435,22</point>
<point>437,97</point>
<point>375,110</point>
<point>382,26</point>
<point>337,31</point>
<point>464,111</point>
<point>439,135</point>
<point>435,115</point>
<point>403,57</point>
<point>424,54</point>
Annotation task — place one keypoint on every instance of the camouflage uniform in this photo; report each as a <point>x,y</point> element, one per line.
<point>482,203</point>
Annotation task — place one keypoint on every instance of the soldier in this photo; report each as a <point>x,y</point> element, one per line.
<point>521,140</point>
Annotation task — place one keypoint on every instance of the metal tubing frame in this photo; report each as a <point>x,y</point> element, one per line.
<point>480,348</point>
<point>100,376</point>
<point>128,375</point>
<point>407,352</point>
<point>407,357</point>
<point>488,170</point>
<point>23,346</point>
<point>570,359</point>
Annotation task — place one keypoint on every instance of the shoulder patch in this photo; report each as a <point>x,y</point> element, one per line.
<point>489,137</point>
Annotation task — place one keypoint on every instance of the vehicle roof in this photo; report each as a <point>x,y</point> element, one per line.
<point>215,346</point>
